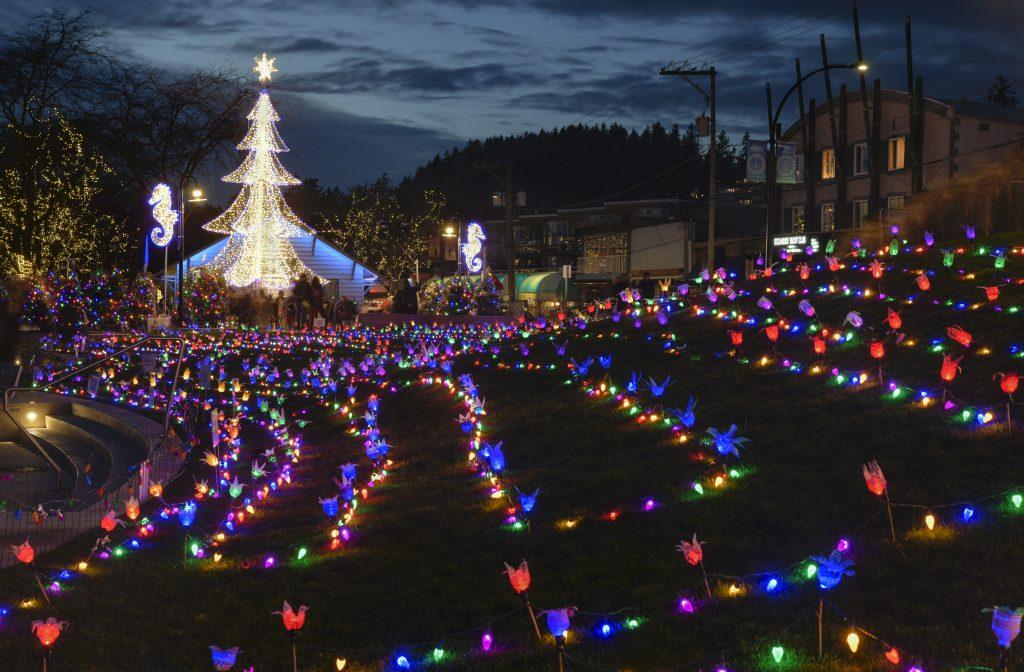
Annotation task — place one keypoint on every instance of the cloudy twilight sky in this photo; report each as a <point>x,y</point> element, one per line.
<point>367,86</point>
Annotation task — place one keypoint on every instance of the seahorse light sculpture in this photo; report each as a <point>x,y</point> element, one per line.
<point>473,246</point>
<point>165,217</point>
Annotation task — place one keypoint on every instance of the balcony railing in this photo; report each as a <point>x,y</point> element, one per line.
<point>602,264</point>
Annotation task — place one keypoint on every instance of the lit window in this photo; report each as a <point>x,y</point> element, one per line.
<point>798,223</point>
<point>828,164</point>
<point>897,153</point>
<point>860,159</point>
<point>828,216</point>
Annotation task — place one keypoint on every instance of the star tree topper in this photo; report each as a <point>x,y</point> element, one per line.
<point>264,68</point>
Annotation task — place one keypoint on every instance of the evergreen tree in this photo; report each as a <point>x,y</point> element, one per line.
<point>1001,93</point>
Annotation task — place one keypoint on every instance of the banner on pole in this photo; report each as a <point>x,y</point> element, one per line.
<point>785,162</point>
<point>757,155</point>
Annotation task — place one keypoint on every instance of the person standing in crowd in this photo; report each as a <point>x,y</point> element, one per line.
<point>303,299</point>
<point>346,310</point>
<point>316,301</point>
<point>281,310</point>
<point>412,299</point>
<point>647,286</point>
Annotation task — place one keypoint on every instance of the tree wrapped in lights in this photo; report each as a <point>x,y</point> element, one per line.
<point>387,226</point>
<point>206,297</point>
<point>259,220</point>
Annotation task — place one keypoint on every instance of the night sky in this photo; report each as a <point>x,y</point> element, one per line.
<point>367,86</point>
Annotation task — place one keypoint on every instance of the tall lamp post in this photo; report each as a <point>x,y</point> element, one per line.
<point>197,196</point>
<point>712,100</point>
<point>773,124</point>
<point>449,232</point>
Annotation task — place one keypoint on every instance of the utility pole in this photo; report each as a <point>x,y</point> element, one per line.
<point>911,100</point>
<point>510,236</point>
<point>711,99</point>
<point>510,229</point>
<point>869,136</point>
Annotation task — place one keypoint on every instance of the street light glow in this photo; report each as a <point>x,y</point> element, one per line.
<point>863,67</point>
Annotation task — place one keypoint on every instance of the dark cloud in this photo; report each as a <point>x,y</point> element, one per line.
<point>363,75</point>
<point>276,45</point>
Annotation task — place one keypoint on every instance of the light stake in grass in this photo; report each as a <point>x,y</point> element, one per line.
<point>558,624</point>
<point>1008,383</point>
<point>1006,627</point>
<point>293,622</point>
<point>875,480</point>
<point>519,577</point>
<point>27,555</point>
<point>693,552</point>
<point>48,631</point>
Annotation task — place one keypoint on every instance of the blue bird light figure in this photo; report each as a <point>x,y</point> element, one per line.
<point>686,418</point>
<point>495,456</point>
<point>605,361</point>
<point>527,500</point>
<point>348,470</point>
<point>581,368</point>
<point>466,423</point>
<point>727,443</point>
<point>658,389</point>
<point>223,659</point>
<point>634,382</point>
<point>560,348</point>
<point>832,569</point>
<point>330,506</point>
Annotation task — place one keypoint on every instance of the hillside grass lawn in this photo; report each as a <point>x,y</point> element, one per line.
<point>425,569</point>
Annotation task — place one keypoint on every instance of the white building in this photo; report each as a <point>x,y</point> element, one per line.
<point>342,275</point>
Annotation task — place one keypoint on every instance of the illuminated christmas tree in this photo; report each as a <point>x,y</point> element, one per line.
<point>259,220</point>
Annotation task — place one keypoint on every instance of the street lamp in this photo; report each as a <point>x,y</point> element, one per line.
<point>197,196</point>
<point>860,67</point>
<point>449,232</point>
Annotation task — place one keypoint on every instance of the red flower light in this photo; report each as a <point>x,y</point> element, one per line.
<point>25,553</point>
<point>949,368</point>
<point>48,631</point>
<point>519,577</point>
<point>293,620</point>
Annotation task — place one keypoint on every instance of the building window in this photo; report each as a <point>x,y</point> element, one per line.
<point>860,159</point>
<point>801,171</point>
<point>860,213</point>
<point>798,222</point>
<point>897,152</point>
<point>828,216</point>
<point>895,202</point>
<point>828,164</point>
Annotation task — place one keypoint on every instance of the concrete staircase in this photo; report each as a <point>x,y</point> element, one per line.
<point>100,450</point>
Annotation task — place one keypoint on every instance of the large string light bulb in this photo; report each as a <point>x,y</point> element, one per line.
<point>259,220</point>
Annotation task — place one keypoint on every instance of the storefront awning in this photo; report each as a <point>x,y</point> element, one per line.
<point>541,286</point>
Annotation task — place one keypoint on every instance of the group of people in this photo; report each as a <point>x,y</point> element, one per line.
<point>307,302</point>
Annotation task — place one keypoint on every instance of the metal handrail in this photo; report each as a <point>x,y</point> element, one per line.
<point>170,397</point>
